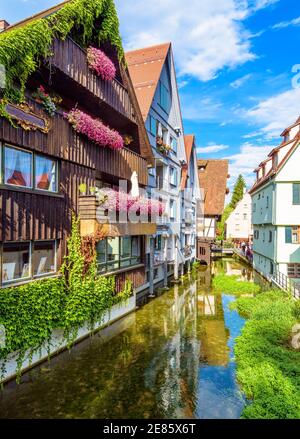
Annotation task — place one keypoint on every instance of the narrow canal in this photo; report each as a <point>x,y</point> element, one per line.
<point>173,358</point>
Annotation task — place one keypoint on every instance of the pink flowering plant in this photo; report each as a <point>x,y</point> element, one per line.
<point>119,201</point>
<point>94,129</point>
<point>100,64</point>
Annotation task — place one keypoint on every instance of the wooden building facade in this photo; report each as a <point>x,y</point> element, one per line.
<point>44,161</point>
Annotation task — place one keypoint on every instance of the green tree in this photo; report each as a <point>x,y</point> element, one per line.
<point>238,191</point>
<point>237,195</point>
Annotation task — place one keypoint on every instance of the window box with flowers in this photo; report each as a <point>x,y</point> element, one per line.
<point>121,202</point>
<point>100,64</point>
<point>94,129</point>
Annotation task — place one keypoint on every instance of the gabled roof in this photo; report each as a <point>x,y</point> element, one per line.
<point>290,127</point>
<point>274,171</point>
<point>145,67</point>
<point>213,181</point>
<point>189,141</point>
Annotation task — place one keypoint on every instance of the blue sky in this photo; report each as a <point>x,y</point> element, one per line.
<point>234,61</point>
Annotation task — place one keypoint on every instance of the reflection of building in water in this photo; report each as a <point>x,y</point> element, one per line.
<point>173,372</point>
<point>232,267</point>
<point>204,277</point>
<point>214,335</point>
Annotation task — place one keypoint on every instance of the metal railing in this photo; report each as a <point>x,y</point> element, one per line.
<point>286,283</point>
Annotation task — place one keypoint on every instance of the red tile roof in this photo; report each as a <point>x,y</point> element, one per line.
<point>145,67</point>
<point>213,181</point>
<point>189,141</point>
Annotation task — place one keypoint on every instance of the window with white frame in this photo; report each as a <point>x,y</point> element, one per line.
<point>164,97</point>
<point>173,176</point>
<point>153,125</point>
<point>173,144</point>
<point>172,210</point>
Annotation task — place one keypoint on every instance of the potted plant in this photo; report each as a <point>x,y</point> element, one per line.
<point>92,190</point>
<point>45,100</point>
<point>82,189</point>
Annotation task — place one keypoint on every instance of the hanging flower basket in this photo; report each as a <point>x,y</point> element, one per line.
<point>100,64</point>
<point>94,129</point>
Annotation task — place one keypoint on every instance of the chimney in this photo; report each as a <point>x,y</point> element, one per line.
<point>3,25</point>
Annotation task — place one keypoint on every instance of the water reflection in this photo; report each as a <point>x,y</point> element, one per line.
<point>173,358</point>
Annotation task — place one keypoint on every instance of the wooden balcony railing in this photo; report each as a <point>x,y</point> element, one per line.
<point>71,59</point>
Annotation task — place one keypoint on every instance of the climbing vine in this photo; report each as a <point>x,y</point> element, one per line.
<point>31,312</point>
<point>23,48</point>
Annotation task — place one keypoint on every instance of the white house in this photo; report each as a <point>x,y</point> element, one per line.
<point>190,195</point>
<point>239,222</point>
<point>276,208</point>
<point>154,78</point>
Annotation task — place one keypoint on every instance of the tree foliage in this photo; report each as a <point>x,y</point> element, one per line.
<point>23,48</point>
<point>238,191</point>
<point>237,196</point>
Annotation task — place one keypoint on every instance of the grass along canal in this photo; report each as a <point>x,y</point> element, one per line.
<point>176,358</point>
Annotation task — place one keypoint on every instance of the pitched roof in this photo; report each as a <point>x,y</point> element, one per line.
<point>273,171</point>
<point>213,181</point>
<point>145,67</point>
<point>294,143</point>
<point>189,141</point>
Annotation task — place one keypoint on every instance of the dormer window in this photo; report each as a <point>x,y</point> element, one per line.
<point>263,170</point>
<point>287,137</point>
<point>275,160</point>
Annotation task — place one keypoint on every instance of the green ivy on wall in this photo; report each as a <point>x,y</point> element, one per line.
<point>29,313</point>
<point>23,48</point>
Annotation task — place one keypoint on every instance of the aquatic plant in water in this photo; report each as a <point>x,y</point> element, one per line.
<point>233,285</point>
<point>267,368</point>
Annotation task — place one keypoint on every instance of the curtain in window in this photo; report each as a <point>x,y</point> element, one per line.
<point>43,258</point>
<point>45,171</point>
<point>16,261</point>
<point>17,167</point>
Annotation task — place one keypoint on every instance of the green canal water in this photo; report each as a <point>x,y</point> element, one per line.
<point>172,358</point>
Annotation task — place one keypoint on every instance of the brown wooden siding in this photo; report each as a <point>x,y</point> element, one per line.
<point>137,277</point>
<point>71,59</point>
<point>64,143</point>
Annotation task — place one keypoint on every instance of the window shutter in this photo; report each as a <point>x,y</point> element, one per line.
<point>296,193</point>
<point>288,235</point>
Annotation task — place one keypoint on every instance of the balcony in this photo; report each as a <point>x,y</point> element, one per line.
<point>70,59</point>
<point>94,223</point>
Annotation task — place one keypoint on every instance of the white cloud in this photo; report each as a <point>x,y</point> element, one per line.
<point>211,148</point>
<point>240,81</point>
<point>284,24</point>
<point>245,161</point>
<point>207,35</point>
<point>252,135</point>
<point>276,113</point>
